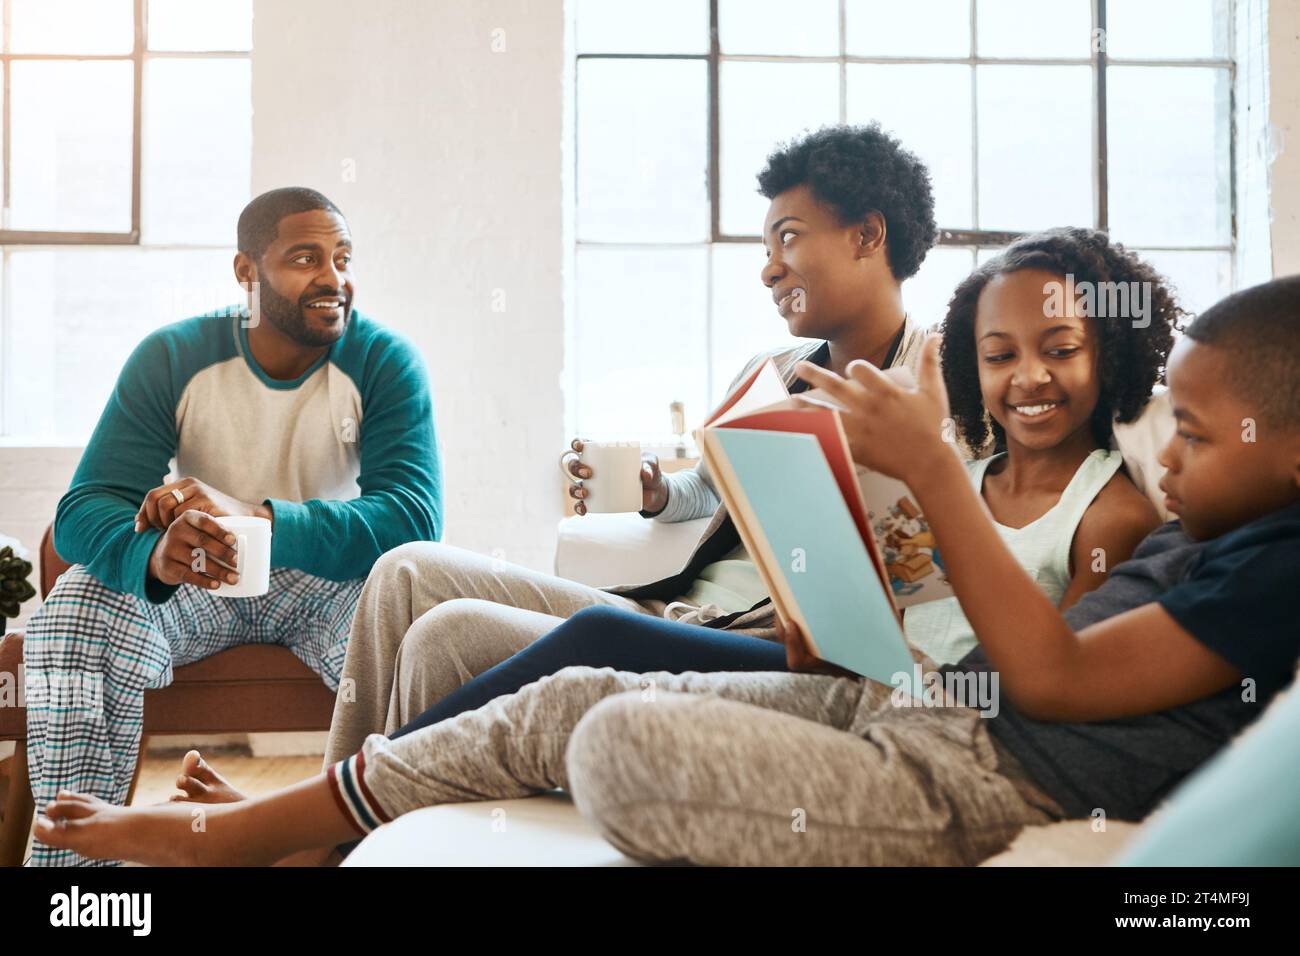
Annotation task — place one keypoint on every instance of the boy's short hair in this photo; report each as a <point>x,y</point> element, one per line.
<point>858,169</point>
<point>1259,329</point>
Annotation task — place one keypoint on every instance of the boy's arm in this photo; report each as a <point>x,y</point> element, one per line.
<point>1137,662</point>
<point>127,455</point>
<point>400,481</point>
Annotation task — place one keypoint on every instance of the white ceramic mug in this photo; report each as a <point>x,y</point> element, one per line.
<point>252,555</point>
<point>615,482</point>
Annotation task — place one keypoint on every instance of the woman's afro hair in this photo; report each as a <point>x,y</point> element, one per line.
<point>857,170</point>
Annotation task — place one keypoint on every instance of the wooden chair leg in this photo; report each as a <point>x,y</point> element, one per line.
<point>16,825</point>
<point>139,762</point>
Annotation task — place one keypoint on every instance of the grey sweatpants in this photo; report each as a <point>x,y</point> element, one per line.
<point>430,618</point>
<point>725,768</point>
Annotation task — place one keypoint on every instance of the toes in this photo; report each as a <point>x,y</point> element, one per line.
<point>192,786</point>
<point>193,765</point>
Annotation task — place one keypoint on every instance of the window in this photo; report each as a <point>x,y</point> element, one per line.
<point>127,129</point>
<point>1115,114</point>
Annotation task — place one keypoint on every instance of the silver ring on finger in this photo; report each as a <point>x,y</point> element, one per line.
<point>178,495</point>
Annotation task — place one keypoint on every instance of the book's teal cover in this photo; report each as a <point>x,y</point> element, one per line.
<point>790,489</point>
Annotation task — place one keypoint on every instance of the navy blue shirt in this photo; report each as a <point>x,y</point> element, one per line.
<point>1238,594</point>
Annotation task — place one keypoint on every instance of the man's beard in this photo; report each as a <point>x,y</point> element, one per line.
<point>289,316</point>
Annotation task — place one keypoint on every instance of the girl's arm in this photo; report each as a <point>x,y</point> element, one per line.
<point>1114,524</point>
<point>1137,662</point>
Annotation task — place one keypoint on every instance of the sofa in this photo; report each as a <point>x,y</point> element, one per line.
<point>547,830</point>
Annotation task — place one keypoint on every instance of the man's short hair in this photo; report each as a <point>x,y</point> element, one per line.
<point>260,219</point>
<point>1259,330</point>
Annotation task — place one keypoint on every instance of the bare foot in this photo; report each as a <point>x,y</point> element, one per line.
<point>168,834</point>
<point>202,784</point>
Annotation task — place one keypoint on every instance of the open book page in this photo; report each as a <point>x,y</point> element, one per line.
<point>912,559</point>
<point>905,545</point>
<point>764,387</point>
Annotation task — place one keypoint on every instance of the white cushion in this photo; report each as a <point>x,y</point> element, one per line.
<point>1140,442</point>
<point>605,550</point>
<point>1068,843</point>
<point>545,830</point>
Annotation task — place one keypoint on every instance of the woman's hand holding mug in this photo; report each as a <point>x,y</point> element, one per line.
<point>614,492</point>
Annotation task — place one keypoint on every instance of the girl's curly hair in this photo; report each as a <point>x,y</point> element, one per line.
<point>1131,358</point>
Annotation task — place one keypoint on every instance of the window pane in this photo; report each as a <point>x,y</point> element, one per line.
<point>1151,29</point>
<point>775,27</point>
<point>193,195</point>
<point>928,109</point>
<point>745,320</point>
<point>1034,28</point>
<point>72,26</point>
<point>71,150</point>
<point>983,255</point>
<point>760,105</point>
<point>1035,146</point>
<point>200,24</point>
<point>81,311</point>
<point>632,26</point>
<point>641,340</point>
<point>915,28</point>
<point>1169,168</point>
<point>1199,278</point>
<point>926,294</point>
<point>642,150</point>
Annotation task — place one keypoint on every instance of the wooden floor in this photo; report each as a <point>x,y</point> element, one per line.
<point>252,775</point>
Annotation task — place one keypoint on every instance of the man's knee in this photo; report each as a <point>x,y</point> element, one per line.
<point>79,603</point>
<point>403,563</point>
<point>430,571</point>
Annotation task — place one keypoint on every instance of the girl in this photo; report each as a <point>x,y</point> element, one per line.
<point>1038,376</point>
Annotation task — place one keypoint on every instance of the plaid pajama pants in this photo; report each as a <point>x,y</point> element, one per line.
<point>91,652</point>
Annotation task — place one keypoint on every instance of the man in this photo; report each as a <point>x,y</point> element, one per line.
<point>851,217</point>
<point>297,409</point>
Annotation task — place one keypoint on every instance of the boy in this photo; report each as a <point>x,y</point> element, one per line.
<point>1110,704</point>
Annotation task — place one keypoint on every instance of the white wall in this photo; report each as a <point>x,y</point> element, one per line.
<point>32,480</point>
<point>436,128</point>
<point>1284,117</point>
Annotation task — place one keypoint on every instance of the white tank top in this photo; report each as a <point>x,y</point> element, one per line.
<point>1042,547</point>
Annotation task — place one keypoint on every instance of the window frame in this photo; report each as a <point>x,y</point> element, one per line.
<point>140,52</point>
<point>21,241</point>
<point>978,238</point>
